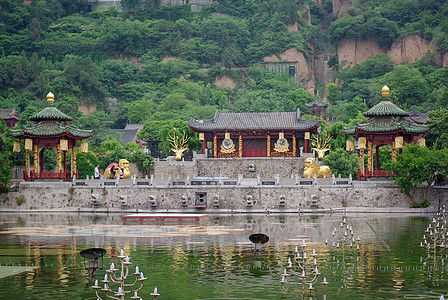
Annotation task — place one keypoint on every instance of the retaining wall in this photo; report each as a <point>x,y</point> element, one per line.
<point>246,195</point>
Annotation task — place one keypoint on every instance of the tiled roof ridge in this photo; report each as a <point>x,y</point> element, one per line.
<point>50,113</point>
<point>385,108</point>
<point>318,101</point>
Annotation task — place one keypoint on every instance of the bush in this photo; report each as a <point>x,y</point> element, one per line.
<point>20,200</point>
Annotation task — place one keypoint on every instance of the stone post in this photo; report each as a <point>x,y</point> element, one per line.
<point>240,178</point>
<point>334,179</point>
<point>258,179</point>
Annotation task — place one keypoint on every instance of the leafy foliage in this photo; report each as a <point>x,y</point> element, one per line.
<point>341,162</point>
<point>437,137</point>
<point>417,165</point>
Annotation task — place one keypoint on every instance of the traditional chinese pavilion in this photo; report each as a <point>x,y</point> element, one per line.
<point>318,107</point>
<point>10,116</point>
<point>386,124</point>
<point>275,134</point>
<point>51,130</point>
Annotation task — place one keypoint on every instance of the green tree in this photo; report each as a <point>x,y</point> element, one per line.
<point>408,86</point>
<point>86,163</point>
<point>341,162</point>
<point>5,157</point>
<point>50,159</point>
<point>383,30</point>
<point>143,161</point>
<point>345,28</point>
<point>417,165</point>
<point>437,136</point>
<point>139,111</point>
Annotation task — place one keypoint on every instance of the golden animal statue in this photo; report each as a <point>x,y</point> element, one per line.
<point>179,146</point>
<point>124,167</point>
<point>120,170</point>
<point>321,144</point>
<point>312,168</point>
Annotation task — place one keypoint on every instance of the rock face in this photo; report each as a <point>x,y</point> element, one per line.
<point>352,51</point>
<point>407,50</point>
<point>225,81</point>
<point>305,72</point>
<point>410,49</point>
<point>196,5</point>
<point>86,109</point>
<point>340,7</point>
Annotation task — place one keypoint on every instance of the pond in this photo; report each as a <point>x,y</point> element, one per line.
<point>39,256</point>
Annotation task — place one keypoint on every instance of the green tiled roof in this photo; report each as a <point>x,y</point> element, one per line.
<point>50,113</point>
<point>48,128</point>
<point>387,125</point>
<point>385,108</point>
<point>317,101</point>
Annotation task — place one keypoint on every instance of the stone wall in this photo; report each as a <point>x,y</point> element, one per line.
<point>265,167</point>
<point>207,198</point>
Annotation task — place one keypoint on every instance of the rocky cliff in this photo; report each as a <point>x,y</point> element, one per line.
<point>407,50</point>
<point>340,7</point>
<point>304,68</point>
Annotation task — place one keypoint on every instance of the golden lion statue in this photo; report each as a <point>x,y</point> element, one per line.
<point>312,168</point>
<point>121,170</point>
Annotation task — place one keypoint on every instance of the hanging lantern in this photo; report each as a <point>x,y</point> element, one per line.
<point>399,142</point>
<point>421,142</point>
<point>201,136</point>
<point>16,147</point>
<point>362,143</point>
<point>281,136</point>
<point>84,147</point>
<point>64,145</point>
<point>307,135</point>
<point>350,146</point>
<point>227,137</point>
<point>28,144</point>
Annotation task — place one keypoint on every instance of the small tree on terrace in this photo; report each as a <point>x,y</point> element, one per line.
<point>417,165</point>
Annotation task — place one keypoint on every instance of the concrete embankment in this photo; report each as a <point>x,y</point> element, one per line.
<point>216,195</point>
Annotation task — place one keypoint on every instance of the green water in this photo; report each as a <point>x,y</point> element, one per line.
<point>221,263</point>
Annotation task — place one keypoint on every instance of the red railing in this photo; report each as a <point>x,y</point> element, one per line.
<point>374,173</point>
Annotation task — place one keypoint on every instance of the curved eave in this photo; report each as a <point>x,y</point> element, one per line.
<point>370,115</point>
<point>359,131</point>
<point>76,134</point>
<point>204,129</point>
<point>62,135</point>
<point>316,104</point>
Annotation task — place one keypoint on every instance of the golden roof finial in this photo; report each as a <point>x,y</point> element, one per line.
<point>50,97</point>
<point>385,91</point>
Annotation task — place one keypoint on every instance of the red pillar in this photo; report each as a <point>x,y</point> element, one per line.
<point>204,145</point>
<point>376,157</point>
<point>42,169</point>
<point>65,165</point>
<point>307,146</point>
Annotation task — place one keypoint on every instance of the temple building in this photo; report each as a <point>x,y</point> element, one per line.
<point>386,125</point>
<point>275,134</point>
<point>10,116</point>
<point>51,130</point>
<point>318,107</point>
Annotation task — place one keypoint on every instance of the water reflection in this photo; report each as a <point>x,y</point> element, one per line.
<point>216,261</point>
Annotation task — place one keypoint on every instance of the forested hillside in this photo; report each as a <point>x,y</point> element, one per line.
<point>145,63</point>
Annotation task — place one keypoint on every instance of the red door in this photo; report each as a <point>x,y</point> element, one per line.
<point>254,147</point>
